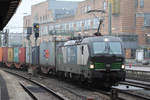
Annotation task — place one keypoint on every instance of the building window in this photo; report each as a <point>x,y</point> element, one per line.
<point>88,8</point>
<point>81,22</point>
<point>71,26</point>
<point>95,23</point>
<point>89,23</point>
<point>147,19</point>
<point>141,3</point>
<point>77,26</point>
<point>40,19</point>
<point>45,17</point>
<point>65,27</point>
<point>81,10</point>
<point>105,5</point>
<point>136,3</point>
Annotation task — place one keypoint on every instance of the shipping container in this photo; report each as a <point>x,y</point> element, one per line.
<point>16,55</point>
<point>1,54</point>
<point>35,55</point>
<point>47,54</point>
<point>10,55</point>
<point>5,54</point>
<point>22,55</point>
<point>28,55</point>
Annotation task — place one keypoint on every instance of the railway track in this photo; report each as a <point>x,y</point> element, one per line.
<point>115,94</point>
<point>138,75</point>
<point>28,91</point>
<point>41,90</point>
<point>131,95</point>
<point>143,86</point>
<point>92,95</point>
<point>136,84</point>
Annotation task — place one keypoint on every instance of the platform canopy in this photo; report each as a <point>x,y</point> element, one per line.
<point>7,9</point>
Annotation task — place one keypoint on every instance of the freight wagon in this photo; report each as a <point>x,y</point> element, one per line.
<point>13,56</point>
<point>8,56</point>
<point>5,54</point>
<point>48,56</point>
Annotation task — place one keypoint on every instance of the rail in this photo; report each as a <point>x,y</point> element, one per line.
<point>28,91</point>
<point>138,75</point>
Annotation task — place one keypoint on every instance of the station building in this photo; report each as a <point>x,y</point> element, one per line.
<point>130,20</point>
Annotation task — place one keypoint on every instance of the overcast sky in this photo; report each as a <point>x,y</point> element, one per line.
<point>16,22</point>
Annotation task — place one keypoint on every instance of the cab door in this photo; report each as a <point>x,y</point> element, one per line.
<point>83,54</point>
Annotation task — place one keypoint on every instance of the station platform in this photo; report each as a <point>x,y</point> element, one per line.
<point>10,88</point>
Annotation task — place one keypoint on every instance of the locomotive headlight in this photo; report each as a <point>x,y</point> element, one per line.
<point>91,66</point>
<point>123,66</point>
<point>106,40</point>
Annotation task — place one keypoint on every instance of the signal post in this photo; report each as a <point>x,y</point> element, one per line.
<point>36,34</point>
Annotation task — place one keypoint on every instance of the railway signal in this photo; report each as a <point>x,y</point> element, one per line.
<point>36,29</point>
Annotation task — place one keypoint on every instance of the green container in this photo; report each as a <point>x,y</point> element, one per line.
<point>16,55</point>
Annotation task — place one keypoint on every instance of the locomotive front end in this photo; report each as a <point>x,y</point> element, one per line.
<point>107,61</point>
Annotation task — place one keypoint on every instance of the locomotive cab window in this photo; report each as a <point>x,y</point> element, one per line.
<point>115,48</point>
<point>99,47</point>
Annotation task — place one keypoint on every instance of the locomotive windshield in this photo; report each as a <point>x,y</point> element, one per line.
<point>99,47</point>
<point>115,48</point>
<point>107,47</point>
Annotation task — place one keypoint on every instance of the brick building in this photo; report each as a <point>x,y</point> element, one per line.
<point>130,20</point>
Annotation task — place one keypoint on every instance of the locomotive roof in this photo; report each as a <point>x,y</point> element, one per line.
<point>93,39</point>
<point>71,42</point>
<point>100,38</point>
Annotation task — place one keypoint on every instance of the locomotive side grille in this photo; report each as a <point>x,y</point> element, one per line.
<point>99,65</point>
<point>116,65</point>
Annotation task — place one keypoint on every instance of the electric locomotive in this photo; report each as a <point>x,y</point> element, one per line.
<point>93,59</point>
